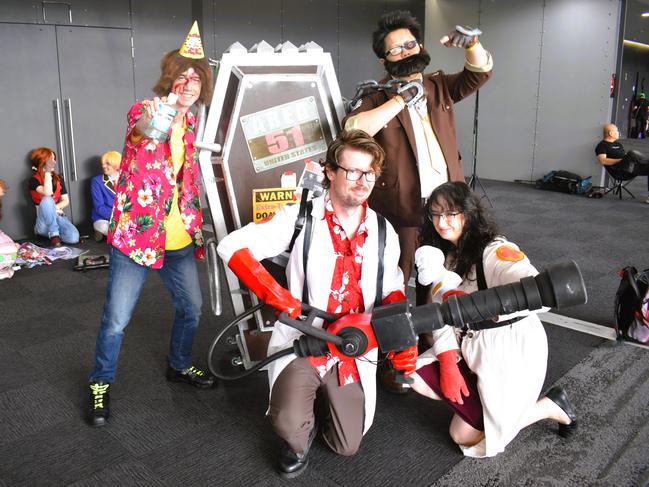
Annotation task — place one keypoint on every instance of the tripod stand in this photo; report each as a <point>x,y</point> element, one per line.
<point>474,176</point>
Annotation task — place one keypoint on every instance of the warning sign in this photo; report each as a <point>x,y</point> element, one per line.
<point>266,202</point>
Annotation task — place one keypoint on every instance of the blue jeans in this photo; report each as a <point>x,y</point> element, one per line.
<point>49,223</point>
<point>180,276</point>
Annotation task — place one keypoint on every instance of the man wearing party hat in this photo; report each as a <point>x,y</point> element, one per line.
<point>156,221</point>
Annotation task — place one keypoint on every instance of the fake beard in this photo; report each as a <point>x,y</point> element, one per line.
<point>410,65</point>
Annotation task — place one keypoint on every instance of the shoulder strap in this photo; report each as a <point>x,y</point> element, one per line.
<point>379,272</point>
<point>308,233</point>
<point>301,216</point>
<point>479,269</point>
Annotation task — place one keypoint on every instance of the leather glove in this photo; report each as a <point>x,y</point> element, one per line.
<point>406,360</point>
<point>429,261</point>
<point>450,378</point>
<point>259,281</point>
<point>463,36</point>
<point>411,92</point>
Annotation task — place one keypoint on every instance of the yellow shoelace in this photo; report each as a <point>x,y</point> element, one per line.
<point>98,392</point>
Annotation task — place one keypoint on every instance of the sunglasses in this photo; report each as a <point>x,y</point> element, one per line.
<point>396,50</point>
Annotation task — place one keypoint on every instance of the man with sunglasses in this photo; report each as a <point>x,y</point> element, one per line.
<point>340,275</point>
<point>418,136</point>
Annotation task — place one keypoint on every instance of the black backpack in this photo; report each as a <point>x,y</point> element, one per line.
<point>631,306</point>
<point>565,182</point>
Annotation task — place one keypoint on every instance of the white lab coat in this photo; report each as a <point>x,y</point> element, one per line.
<point>273,237</point>
<point>510,362</point>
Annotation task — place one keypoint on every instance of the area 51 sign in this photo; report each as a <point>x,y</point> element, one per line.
<point>283,134</point>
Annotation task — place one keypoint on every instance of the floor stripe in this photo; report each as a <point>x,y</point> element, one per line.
<point>584,327</point>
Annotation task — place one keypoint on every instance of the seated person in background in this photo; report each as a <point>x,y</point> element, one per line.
<point>504,362</point>
<point>50,197</point>
<point>610,152</point>
<point>7,246</point>
<point>102,188</point>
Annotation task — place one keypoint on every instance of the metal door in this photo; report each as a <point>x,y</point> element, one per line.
<point>30,83</point>
<point>97,88</point>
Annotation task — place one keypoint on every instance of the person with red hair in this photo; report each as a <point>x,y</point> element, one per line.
<point>50,196</point>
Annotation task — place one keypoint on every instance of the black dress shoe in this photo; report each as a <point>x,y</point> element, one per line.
<point>292,464</point>
<point>388,378</point>
<point>558,396</point>
<point>99,403</point>
<point>192,376</point>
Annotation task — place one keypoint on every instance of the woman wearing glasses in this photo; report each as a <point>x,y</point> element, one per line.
<point>505,361</point>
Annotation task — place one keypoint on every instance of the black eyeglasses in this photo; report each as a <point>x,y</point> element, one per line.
<point>355,174</point>
<point>448,216</point>
<point>396,50</point>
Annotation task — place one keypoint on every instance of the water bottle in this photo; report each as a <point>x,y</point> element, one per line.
<point>160,124</point>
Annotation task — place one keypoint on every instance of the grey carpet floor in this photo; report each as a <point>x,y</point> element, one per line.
<point>167,434</point>
<point>611,388</point>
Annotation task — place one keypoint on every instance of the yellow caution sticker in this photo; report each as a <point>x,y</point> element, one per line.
<point>266,202</point>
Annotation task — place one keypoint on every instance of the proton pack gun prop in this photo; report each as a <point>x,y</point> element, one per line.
<point>395,327</point>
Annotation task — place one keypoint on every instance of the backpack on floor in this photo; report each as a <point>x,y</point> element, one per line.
<point>632,305</point>
<point>564,181</point>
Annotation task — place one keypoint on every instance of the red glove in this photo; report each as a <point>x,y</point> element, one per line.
<point>450,378</point>
<point>260,282</point>
<point>405,360</point>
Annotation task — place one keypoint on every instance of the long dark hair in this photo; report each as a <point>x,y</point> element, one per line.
<point>479,227</point>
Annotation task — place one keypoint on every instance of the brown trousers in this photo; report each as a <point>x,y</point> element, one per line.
<point>292,403</point>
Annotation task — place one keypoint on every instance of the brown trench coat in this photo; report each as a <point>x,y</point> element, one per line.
<point>397,193</point>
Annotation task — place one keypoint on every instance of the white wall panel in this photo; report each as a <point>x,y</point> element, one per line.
<point>579,51</point>
<point>508,103</point>
<point>549,95</point>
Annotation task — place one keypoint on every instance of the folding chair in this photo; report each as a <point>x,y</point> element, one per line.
<point>618,181</point>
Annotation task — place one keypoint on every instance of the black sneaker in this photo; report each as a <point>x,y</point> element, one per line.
<point>192,376</point>
<point>99,403</point>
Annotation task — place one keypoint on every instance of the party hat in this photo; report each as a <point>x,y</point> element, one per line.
<point>192,47</point>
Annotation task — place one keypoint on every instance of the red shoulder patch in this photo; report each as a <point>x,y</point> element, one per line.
<point>505,252</point>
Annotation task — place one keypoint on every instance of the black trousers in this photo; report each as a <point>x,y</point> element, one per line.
<point>634,163</point>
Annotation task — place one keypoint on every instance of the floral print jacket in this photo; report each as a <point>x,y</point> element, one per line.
<point>144,195</point>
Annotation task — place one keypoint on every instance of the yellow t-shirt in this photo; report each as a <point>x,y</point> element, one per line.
<point>177,236</point>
